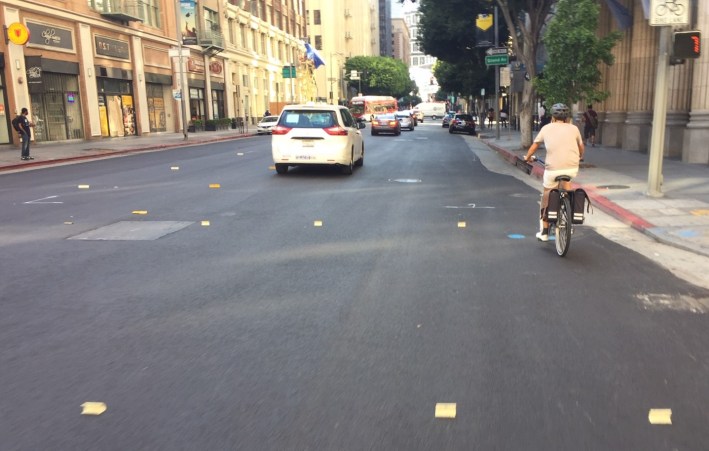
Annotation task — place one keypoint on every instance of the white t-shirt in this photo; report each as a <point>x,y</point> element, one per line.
<point>562,142</point>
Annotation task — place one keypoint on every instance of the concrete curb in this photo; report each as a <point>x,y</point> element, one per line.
<point>605,204</point>
<point>146,148</point>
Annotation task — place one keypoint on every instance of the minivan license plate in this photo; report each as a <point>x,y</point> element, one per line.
<point>308,144</point>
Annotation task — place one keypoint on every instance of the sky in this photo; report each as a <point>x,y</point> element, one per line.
<point>397,9</point>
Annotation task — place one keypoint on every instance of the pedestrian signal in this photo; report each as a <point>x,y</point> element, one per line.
<point>687,44</point>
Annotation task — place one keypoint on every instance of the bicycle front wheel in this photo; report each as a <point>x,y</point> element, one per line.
<point>562,231</point>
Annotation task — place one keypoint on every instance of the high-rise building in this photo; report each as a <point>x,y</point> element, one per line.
<point>385,28</point>
<point>401,40</point>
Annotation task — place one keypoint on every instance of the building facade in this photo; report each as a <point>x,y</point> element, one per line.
<point>109,68</point>
<point>401,40</point>
<point>421,66</point>
<point>626,116</point>
<point>339,29</point>
<point>385,29</point>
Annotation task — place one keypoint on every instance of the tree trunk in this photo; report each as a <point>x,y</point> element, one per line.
<point>527,115</point>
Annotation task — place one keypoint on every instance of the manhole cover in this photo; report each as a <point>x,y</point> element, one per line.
<point>132,231</point>
<point>612,187</point>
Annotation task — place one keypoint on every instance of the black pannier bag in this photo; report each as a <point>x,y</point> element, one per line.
<point>552,211</point>
<point>579,201</point>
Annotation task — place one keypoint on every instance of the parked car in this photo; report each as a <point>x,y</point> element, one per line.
<point>386,123</point>
<point>266,124</point>
<point>406,121</point>
<point>462,123</point>
<point>447,118</point>
<point>316,134</point>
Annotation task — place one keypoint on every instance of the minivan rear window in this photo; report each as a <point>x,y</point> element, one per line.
<point>308,119</point>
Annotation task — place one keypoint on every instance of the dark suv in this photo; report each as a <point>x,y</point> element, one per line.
<point>462,123</point>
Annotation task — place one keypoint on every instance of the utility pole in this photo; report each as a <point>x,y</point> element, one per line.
<point>659,117</point>
<point>497,80</point>
<point>182,69</point>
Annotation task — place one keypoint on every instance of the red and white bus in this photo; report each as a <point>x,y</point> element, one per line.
<point>366,107</point>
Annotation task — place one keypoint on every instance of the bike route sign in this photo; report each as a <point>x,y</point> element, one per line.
<point>669,12</point>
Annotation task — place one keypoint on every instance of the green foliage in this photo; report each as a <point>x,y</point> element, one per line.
<point>572,72</point>
<point>447,31</point>
<point>380,75</point>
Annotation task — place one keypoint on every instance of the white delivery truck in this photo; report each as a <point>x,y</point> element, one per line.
<point>434,110</point>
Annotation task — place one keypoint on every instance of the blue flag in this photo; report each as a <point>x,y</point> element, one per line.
<point>620,14</point>
<point>312,55</point>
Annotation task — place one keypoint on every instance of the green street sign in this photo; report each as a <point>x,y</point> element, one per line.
<point>289,72</point>
<point>497,60</point>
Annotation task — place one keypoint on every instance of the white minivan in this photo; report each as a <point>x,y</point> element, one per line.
<point>315,134</point>
<point>434,110</point>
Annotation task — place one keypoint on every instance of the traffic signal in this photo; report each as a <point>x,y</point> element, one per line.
<point>687,44</point>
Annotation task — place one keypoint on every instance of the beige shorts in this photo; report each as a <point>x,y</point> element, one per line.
<point>550,175</point>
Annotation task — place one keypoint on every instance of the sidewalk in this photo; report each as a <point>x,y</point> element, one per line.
<point>52,153</point>
<point>616,180</point>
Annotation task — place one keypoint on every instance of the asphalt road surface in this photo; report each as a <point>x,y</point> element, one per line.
<point>318,311</point>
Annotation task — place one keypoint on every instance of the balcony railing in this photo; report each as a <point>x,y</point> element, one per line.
<point>125,10</point>
<point>211,39</point>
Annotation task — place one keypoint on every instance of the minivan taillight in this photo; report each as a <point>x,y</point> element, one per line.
<point>336,131</point>
<point>280,130</point>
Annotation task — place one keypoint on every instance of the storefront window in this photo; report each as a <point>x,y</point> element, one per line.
<point>156,107</point>
<point>218,104</point>
<point>116,109</point>
<point>57,111</point>
<point>197,103</point>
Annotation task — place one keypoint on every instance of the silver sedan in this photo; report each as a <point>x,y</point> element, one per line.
<point>405,119</point>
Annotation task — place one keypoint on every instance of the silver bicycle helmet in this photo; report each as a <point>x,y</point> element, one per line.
<point>560,111</point>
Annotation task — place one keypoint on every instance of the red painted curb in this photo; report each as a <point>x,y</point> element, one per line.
<point>603,202</point>
<point>616,210</point>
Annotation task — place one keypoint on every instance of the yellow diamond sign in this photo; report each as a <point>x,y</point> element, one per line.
<point>484,21</point>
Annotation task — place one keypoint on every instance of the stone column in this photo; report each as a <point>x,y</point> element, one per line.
<point>643,65</point>
<point>617,78</point>
<point>696,135</point>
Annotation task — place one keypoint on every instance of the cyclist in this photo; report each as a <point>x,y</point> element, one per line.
<point>564,146</point>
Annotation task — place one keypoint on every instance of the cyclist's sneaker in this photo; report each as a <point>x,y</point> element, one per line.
<point>542,237</point>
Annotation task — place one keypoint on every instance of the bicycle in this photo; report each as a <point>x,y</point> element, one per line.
<point>670,6</point>
<point>563,226</point>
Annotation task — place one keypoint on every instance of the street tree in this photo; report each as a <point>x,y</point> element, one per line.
<point>526,20</point>
<point>446,30</point>
<point>380,75</point>
<point>572,72</point>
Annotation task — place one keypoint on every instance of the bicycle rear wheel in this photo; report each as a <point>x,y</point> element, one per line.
<point>562,231</point>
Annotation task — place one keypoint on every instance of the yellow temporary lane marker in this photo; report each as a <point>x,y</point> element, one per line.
<point>174,168</point>
<point>445,410</point>
<point>68,222</point>
<point>205,223</point>
<point>701,212</point>
<point>271,168</point>
<point>93,408</point>
<point>461,224</point>
<point>140,212</point>
<point>215,185</point>
<point>660,416</point>
<point>83,187</point>
<point>317,223</point>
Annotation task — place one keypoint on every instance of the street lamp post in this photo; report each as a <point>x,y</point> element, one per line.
<point>182,70</point>
<point>332,79</point>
